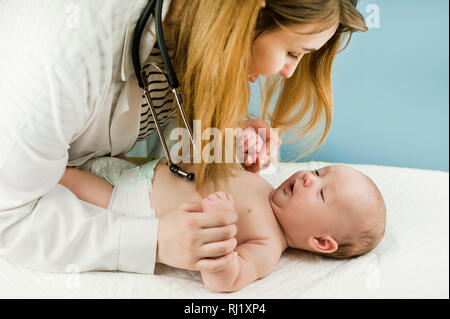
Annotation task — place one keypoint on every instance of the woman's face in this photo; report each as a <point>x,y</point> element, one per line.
<point>280,51</point>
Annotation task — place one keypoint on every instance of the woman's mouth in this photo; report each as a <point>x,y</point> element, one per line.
<point>253,78</point>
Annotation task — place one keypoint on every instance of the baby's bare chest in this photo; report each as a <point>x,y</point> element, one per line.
<point>255,216</point>
<point>253,225</point>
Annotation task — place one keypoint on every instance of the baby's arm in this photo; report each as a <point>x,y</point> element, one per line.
<point>252,260</point>
<point>87,186</point>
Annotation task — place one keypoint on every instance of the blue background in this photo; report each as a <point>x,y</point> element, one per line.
<point>391,90</point>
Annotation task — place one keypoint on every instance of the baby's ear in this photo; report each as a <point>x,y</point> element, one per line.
<point>323,244</point>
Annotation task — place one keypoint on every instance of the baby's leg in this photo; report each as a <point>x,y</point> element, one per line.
<point>218,201</point>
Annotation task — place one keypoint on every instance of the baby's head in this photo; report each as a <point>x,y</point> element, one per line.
<point>335,211</point>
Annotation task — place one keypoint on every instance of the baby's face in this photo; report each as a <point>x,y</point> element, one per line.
<point>319,203</point>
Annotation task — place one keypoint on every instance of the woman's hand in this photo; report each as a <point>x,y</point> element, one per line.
<point>195,239</point>
<point>260,146</point>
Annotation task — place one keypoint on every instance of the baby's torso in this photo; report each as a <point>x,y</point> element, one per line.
<point>249,191</point>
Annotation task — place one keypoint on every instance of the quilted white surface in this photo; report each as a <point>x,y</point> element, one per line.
<point>412,260</point>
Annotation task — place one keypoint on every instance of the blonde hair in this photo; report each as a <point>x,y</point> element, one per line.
<point>214,39</point>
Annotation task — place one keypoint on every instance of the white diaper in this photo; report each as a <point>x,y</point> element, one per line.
<point>115,169</point>
<point>132,184</point>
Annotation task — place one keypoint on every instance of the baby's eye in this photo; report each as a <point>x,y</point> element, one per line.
<point>317,172</point>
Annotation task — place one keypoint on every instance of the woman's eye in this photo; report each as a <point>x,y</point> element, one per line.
<point>292,56</point>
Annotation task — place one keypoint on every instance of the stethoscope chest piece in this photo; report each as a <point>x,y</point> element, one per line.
<point>179,172</point>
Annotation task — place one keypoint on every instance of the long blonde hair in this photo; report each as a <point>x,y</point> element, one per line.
<point>214,39</point>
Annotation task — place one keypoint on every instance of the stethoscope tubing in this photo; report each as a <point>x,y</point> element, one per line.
<point>170,76</point>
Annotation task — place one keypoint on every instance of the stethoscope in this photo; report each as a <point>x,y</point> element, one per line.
<point>170,76</point>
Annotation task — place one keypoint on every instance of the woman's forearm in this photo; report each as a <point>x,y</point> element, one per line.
<point>87,186</point>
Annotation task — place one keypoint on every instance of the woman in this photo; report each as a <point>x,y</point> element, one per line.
<point>69,94</point>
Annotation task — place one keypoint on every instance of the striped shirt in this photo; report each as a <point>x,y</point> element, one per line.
<point>162,97</point>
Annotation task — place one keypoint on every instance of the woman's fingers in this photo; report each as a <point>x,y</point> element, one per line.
<point>268,154</point>
<point>263,157</point>
<point>261,147</point>
<point>253,151</point>
<point>210,235</point>
<point>254,143</point>
<point>181,240</point>
<point>214,264</point>
<point>217,249</point>
<point>191,207</point>
<point>249,139</point>
<point>217,219</point>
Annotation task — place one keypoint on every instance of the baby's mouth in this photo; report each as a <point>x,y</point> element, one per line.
<point>290,187</point>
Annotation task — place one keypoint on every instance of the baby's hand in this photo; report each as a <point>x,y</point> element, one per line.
<point>249,144</point>
<point>218,201</point>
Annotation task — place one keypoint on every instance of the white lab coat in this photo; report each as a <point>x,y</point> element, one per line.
<point>68,93</point>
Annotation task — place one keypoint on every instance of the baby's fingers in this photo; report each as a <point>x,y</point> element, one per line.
<point>254,145</point>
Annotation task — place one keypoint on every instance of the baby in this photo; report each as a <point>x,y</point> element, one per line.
<point>334,211</point>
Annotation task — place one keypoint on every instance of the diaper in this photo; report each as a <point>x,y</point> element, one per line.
<point>116,170</point>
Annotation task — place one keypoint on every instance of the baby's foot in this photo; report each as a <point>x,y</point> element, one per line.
<point>218,201</point>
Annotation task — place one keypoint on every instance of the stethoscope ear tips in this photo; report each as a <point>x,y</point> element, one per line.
<point>190,176</point>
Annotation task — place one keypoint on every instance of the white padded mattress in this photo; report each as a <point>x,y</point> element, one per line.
<point>411,261</point>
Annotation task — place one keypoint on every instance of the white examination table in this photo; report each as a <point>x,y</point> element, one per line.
<point>411,261</point>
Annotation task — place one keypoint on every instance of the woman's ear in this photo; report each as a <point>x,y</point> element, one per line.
<point>323,244</point>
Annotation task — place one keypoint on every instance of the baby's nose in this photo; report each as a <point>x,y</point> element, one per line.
<point>308,179</point>
<point>303,177</point>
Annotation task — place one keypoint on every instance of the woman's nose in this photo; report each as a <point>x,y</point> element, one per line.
<point>289,68</point>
